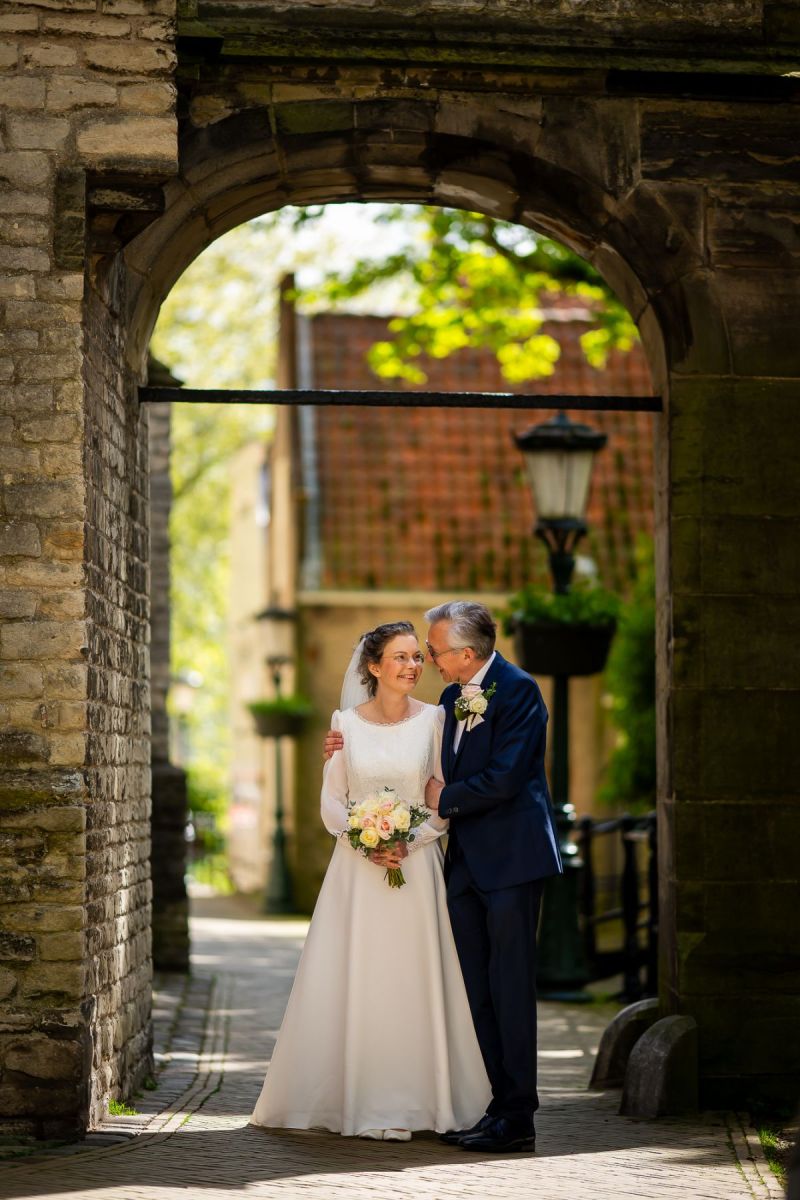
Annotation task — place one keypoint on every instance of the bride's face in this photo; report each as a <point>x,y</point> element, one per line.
<point>401,664</point>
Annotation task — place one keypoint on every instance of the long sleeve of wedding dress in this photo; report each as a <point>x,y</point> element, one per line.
<point>333,797</point>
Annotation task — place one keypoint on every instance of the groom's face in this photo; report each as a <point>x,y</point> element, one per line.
<point>454,666</point>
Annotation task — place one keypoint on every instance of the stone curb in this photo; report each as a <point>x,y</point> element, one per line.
<point>749,1152</point>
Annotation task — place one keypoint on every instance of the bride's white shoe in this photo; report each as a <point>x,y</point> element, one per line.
<point>397,1135</point>
<point>374,1135</point>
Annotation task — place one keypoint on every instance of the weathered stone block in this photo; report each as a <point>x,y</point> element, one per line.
<point>17,603</point>
<point>153,98</point>
<point>14,286</point>
<point>25,168</point>
<point>726,460</point>
<point>149,141</point>
<point>16,947</point>
<point>58,427</point>
<point>59,498</point>
<point>53,978</point>
<point>50,54</point>
<point>71,91</point>
<point>724,757</point>
<point>8,983</point>
<point>44,1058</point>
<point>16,1099</point>
<point>19,23</point>
<point>19,537</point>
<point>34,919</point>
<point>131,59</point>
<point>34,313</point>
<point>42,639</point>
<point>23,258</point>
<point>61,947</point>
<point>21,92</point>
<point>19,747</point>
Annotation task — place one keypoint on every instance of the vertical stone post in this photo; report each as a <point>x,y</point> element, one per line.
<point>170,805</point>
<point>83,93</point>
<point>731,819</point>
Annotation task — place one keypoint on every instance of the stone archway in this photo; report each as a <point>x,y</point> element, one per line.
<point>695,232</point>
<point>572,168</point>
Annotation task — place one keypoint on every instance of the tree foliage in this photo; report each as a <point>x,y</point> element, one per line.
<point>215,329</point>
<point>476,281</point>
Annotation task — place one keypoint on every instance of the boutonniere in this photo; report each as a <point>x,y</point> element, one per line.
<point>472,704</point>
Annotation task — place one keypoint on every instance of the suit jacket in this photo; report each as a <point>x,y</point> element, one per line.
<point>496,795</point>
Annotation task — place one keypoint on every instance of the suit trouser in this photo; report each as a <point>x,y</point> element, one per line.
<point>495,936</point>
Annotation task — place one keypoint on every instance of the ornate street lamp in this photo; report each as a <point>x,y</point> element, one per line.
<point>559,457</point>
<point>279,627</point>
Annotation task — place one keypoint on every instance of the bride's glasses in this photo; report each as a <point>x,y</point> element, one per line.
<point>403,660</point>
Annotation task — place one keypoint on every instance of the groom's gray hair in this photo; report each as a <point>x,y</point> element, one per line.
<point>471,624</point>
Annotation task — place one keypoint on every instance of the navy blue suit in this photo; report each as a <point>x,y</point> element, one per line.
<point>502,846</point>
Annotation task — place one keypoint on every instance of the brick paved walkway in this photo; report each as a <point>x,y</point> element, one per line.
<point>200,1142</point>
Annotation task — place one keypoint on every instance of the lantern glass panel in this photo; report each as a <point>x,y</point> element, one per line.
<point>278,638</point>
<point>560,482</point>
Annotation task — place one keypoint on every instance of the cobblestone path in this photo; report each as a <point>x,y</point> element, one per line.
<point>192,1136</point>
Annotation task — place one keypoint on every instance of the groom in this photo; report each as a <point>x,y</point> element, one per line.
<point>502,846</point>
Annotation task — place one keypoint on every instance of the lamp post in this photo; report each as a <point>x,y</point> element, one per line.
<point>559,457</point>
<point>279,625</point>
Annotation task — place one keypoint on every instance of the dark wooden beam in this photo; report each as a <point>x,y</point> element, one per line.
<point>386,399</point>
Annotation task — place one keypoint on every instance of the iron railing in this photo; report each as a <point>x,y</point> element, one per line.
<point>636,887</point>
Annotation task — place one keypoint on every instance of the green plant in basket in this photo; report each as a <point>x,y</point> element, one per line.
<point>584,604</point>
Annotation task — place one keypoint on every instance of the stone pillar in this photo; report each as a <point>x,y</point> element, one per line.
<point>730,917</point>
<point>170,803</point>
<point>81,93</point>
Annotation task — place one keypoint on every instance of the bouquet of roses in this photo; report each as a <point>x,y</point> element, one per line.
<point>384,820</point>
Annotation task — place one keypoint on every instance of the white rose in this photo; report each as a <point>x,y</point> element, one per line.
<point>353,821</point>
<point>479,705</point>
<point>402,819</point>
<point>369,838</point>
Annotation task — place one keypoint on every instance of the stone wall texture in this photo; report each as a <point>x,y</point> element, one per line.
<point>643,143</point>
<point>83,85</point>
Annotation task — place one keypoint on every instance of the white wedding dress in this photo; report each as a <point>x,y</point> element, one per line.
<point>377,1032</point>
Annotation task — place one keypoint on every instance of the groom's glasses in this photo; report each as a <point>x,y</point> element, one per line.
<point>437,654</point>
<point>403,660</point>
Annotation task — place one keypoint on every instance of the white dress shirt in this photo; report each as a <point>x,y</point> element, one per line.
<point>478,678</point>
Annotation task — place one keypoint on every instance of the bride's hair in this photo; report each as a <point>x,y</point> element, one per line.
<point>374,644</point>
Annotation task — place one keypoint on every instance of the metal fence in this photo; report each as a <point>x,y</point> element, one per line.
<point>636,907</point>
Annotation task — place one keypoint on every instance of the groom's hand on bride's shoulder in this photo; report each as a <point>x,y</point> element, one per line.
<point>333,742</point>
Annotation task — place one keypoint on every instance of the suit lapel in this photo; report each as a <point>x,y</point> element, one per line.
<point>489,678</point>
<point>448,756</point>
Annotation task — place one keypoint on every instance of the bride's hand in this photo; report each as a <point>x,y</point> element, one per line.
<point>389,859</point>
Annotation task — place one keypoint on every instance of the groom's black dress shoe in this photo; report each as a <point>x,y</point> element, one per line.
<point>453,1137</point>
<point>503,1134</point>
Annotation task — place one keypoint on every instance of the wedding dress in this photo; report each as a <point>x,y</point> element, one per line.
<point>377,1032</point>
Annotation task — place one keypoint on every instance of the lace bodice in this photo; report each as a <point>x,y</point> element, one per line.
<point>402,756</point>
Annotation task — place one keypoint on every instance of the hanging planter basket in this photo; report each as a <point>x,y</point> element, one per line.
<point>557,648</point>
<point>276,720</point>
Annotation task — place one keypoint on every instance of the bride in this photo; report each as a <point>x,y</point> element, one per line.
<point>377,1039</point>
